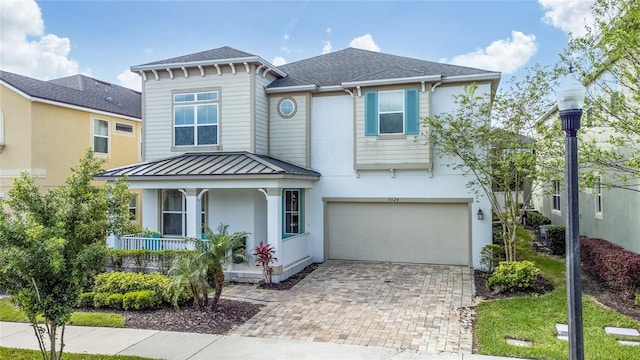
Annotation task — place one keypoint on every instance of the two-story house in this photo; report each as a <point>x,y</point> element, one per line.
<point>324,158</point>
<point>47,126</point>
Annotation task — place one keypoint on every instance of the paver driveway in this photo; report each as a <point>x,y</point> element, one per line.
<point>410,306</point>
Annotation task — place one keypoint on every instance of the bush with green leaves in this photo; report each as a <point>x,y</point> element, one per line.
<point>100,299</point>
<point>86,299</point>
<point>122,283</point>
<point>510,276</point>
<point>141,259</point>
<point>140,300</point>
<point>535,220</point>
<point>556,239</point>
<point>490,256</point>
<point>115,301</point>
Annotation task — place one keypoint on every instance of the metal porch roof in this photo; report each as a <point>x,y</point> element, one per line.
<point>210,165</point>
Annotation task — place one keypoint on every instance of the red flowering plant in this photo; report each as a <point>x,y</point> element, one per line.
<point>264,256</point>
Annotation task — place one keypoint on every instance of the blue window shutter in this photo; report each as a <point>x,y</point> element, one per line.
<point>371,113</point>
<point>411,118</point>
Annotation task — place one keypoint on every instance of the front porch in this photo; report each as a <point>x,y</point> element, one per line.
<point>256,194</point>
<point>295,251</point>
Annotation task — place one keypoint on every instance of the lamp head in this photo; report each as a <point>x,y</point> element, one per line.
<point>571,94</point>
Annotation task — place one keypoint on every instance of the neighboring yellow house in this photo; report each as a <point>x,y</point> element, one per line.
<point>47,126</point>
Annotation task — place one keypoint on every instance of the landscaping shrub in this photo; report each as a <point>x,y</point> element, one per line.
<point>614,265</point>
<point>114,301</point>
<point>264,256</point>
<point>122,283</point>
<point>513,275</point>
<point>86,299</point>
<point>490,256</point>
<point>140,300</point>
<point>100,299</point>
<point>140,260</point>
<point>637,299</point>
<point>556,239</point>
<point>535,219</point>
<point>497,234</point>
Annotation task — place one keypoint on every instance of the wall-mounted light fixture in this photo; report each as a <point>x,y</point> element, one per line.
<point>480,214</point>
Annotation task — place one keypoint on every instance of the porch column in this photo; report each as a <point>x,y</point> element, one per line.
<point>151,210</point>
<point>274,221</point>
<point>194,209</point>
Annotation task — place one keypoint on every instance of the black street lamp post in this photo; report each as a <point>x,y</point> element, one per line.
<point>570,101</point>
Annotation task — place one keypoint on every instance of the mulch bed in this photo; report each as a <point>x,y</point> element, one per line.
<point>290,282</point>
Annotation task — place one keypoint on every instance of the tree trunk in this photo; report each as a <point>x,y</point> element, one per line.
<point>218,282</point>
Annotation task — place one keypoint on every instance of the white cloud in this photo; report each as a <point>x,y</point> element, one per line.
<point>327,47</point>
<point>286,36</point>
<point>130,80</point>
<point>278,60</point>
<point>328,31</point>
<point>27,49</point>
<point>285,50</point>
<point>570,16</point>
<point>506,55</point>
<point>365,42</point>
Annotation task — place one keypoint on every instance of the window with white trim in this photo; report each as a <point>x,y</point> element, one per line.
<point>174,215</point>
<point>195,118</point>
<point>598,194</point>
<point>124,128</point>
<point>203,213</point>
<point>556,195</point>
<point>391,112</point>
<point>292,208</point>
<point>100,136</point>
<point>133,207</point>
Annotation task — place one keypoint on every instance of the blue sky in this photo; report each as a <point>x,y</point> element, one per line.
<point>103,39</point>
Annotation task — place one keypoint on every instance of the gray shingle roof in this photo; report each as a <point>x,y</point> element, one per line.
<point>210,166</point>
<point>352,64</point>
<point>80,90</point>
<point>222,53</point>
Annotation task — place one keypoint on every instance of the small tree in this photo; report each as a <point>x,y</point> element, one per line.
<point>215,252</point>
<point>264,257</point>
<point>51,244</point>
<point>491,139</point>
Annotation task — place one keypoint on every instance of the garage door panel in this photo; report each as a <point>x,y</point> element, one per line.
<point>434,233</point>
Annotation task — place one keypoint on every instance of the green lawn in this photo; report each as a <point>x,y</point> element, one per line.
<point>21,354</point>
<point>8,312</point>
<point>534,318</point>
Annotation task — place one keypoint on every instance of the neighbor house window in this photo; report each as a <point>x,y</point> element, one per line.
<point>124,128</point>
<point>599,196</point>
<point>100,136</point>
<point>391,112</point>
<point>133,207</point>
<point>195,118</point>
<point>292,212</point>
<point>173,213</point>
<point>556,195</point>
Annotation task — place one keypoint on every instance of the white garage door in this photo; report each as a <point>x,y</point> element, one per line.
<point>432,233</point>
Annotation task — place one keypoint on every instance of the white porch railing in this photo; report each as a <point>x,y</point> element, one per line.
<point>139,242</point>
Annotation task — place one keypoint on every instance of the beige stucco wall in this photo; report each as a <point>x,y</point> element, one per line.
<point>47,140</point>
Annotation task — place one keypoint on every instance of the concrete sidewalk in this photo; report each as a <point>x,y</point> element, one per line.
<point>181,346</point>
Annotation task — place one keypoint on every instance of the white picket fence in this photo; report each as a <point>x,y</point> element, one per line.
<point>140,242</point>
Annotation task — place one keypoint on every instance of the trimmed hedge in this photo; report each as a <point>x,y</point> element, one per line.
<point>140,300</point>
<point>611,263</point>
<point>556,239</point>
<point>513,275</point>
<point>139,260</point>
<point>535,219</point>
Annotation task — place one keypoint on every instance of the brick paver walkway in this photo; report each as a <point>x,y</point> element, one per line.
<point>409,306</point>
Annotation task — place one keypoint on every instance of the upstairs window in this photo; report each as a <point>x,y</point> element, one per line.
<point>292,208</point>
<point>100,136</point>
<point>391,112</point>
<point>195,118</point>
<point>556,195</point>
<point>599,197</point>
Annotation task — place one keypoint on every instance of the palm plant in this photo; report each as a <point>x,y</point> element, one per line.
<point>216,251</point>
<point>187,271</point>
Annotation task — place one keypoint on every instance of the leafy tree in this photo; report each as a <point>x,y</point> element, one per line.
<point>51,244</point>
<point>215,252</point>
<point>608,58</point>
<point>491,139</point>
